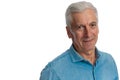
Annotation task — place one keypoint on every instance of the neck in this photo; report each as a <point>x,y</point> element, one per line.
<point>90,56</point>
<point>87,55</point>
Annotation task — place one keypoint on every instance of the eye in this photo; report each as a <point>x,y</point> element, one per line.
<point>80,27</point>
<point>93,24</point>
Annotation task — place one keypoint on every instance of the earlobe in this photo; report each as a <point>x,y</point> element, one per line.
<point>68,32</point>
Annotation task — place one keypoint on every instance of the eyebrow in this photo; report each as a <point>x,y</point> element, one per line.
<point>94,22</point>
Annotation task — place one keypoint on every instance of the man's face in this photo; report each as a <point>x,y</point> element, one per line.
<point>84,30</point>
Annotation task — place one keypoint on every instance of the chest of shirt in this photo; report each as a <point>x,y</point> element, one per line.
<point>85,71</point>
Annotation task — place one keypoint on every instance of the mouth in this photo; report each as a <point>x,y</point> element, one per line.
<point>87,40</point>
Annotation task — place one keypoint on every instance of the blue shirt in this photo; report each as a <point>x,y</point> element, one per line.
<point>71,66</point>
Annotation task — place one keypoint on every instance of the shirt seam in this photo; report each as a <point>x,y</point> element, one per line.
<point>52,69</point>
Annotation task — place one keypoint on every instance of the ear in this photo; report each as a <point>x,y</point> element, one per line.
<point>68,32</point>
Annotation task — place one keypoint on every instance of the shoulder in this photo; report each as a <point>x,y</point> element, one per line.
<point>105,56</point>
<point>60,60</point>
<point>54,66</point>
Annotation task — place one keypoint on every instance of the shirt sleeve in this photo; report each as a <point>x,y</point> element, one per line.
<point>115,69</point>
<point>48,74</point>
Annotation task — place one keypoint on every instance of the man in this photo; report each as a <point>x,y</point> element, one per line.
<point>82,61</point>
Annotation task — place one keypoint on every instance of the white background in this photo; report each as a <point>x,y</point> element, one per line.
<point>32,33</point>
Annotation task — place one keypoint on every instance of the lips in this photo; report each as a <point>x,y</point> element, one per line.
<point>87,40</point>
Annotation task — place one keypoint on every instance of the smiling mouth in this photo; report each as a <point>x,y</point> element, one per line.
<point>87,40</point>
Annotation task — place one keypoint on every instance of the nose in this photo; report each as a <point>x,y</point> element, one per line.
<point>87,31</point>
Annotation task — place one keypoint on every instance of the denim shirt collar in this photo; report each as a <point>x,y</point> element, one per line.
<point>75,56</point>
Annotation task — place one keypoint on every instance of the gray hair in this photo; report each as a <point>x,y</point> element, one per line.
<point>78,7</point>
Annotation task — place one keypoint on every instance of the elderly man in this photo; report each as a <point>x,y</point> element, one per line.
<point>82,61</point>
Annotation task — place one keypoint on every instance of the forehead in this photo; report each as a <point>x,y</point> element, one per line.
<point>85,16</point>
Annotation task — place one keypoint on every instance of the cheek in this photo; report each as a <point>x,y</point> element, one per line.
<point>77,36</point>
<point>96,32</point>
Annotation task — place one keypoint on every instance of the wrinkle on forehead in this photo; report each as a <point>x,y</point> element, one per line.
<point>85,17</point>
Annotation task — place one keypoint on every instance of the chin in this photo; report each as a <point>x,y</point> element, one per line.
<point>89,48</point>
